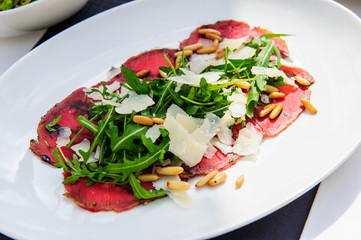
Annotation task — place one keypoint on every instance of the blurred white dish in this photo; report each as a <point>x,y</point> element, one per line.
<point>37,15</point>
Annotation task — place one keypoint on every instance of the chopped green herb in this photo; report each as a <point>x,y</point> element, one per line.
<point>50,126</point>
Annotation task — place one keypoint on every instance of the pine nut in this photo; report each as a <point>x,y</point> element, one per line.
<point>178,185</point>
<point>206,50</point>
<point>271,89</point>
<point>276,111</point>
<point>220,54</point>
<point>142,73</point>
<point>240,181</point>
<point>274,95</point>
<point>243,85</point>
<point>169,171</point>
<point>148,177</point>
<point>309,106</point>
<point>143,120</point>
<point>209,30</point>
<point>218,179</point>
<point>206,178</point>
<point>266,109</point>
<point>214,37</point>
<point>162,74</point>
<point>302,81</point>
<point>193,47</point>
<point>215,43</point>
<point>187,53</point>
<point>158,120</point>
<point>177,60</point>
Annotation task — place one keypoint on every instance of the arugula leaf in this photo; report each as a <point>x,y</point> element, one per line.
<point>137,165</point>
<point>141,87</point>
<point>141,193</point>
<point>50,126</point>
<point>126,140</point>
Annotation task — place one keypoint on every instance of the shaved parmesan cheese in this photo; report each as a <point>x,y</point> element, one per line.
<point>199,62</point>
<point>181,198</point>
<point>225,148</point>
<point>248,140</point>
<point>232,44</point>
<point>238,96</point>
<point>194,79</point>
<point>211,150</point>
<point>83,145</point>
<point>189,136</point>
<point>237,109</point>
<point>271,72</point>
<point>97,96</point>
<point>134,102</point>
<point>63,138</point>
<point>113,71</point>
<point>153,132</point>
<point>110,102</point>
<point>244,53</point>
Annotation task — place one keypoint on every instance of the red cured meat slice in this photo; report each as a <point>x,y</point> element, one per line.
<point>219,162</point>
<point>278,42</point>
<point>292,108</point>
<point>151,60</point>
<point>299,72</point>
<point>228,28</point>
<point>70,108</point>
<point>103,196</point>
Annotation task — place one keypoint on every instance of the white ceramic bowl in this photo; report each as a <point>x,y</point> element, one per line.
<point>37,15</point>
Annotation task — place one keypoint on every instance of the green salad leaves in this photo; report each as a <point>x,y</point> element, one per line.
<point>9,4</point>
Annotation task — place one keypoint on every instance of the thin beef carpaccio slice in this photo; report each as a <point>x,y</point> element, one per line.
<point>103,196</point>
<point>70,108</point>
<point>228,28</point>
<point>218,161</point>
<point>233,30</point>
<point>151,61</point>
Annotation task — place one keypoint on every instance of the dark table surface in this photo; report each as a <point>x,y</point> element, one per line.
<point>285,223</point>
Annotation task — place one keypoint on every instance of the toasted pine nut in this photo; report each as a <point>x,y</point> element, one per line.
<point>271,89</point>
<point>142,73</point>
<point>178,185</point>
<point>309,106</point>
<point>206,178</point>
<point>302,81</point>
<point>177,61</point>
<point>240,181</point>
<point>143,120</point>
<point>266,109</point>
<point>187,53</point>
<point>206,50</point>
<point>218,179</point>
<point>193,47</point>
<point>214,37</point>
<point>162,74</point>
<point>158,120</point>
<point>220,54</point>
<point>243,85</point>
<point>169,171</point>
<point>209,30</point>
<point>274,95</point>
<point>215,43</point>
<point>148,177</point>
<point>276,111</point>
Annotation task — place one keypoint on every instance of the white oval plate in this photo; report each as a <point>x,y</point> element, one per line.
<point>326,42</point>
